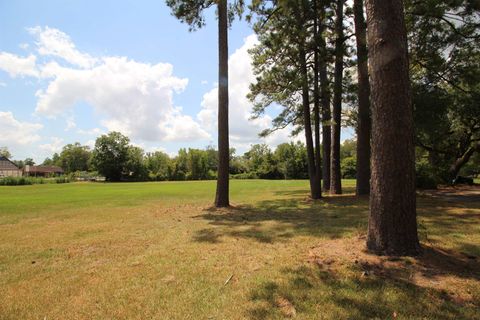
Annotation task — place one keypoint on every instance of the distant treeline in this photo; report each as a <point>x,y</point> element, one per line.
<point>116,159</point>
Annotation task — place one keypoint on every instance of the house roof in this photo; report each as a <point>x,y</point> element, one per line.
<point>43,169</point>
<point>6,164</point>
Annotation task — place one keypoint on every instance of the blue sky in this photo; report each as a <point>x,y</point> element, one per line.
<point>72,70</point>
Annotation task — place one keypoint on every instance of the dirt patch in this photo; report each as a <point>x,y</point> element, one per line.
<point>452,273</point>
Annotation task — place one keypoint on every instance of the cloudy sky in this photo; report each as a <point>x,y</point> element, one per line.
<point>72,70</point>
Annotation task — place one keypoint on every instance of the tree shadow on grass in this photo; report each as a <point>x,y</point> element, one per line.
<point>343,281</point>
<point>323,294</point>
<point>442,218</point>
<point>387,292</point>
<point>206,235</point>
<point>271,221</point>
<point>433,265</point>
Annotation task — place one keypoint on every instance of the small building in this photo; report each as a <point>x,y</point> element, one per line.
<point>42,171</point>
<point>8,168</point>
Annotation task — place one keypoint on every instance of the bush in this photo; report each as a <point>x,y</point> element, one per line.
<point>22,181</point>
<point>62,179</point>
<point>426,176</point>
<point>211,175</point>
<point>17,181</point>
<point>179,176</point>
<point>246,175</point>
<point>348,166</point>
<point>270,173</point>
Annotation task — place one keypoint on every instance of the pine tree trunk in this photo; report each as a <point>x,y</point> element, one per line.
<point>222,194</point>
<point>316,103</point>
<point>364,125</point>
<point>325,101</point>
<point>392,224</point>
<point>315,188</point>
<point>336,177</point>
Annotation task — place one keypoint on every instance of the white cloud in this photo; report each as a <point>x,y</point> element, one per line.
<point>16,132</point>
<point>90,143</point>
<point>55,145</point>
<point>24,46</point>
<point>135,98</point>
<point>18,66</point>
<point>243,132</point>
<point>91,132</point>
<point>53,42</point>
<point>180,127</point>
<point>3,84</point>
<point>70,123</point>
<point>132,97</point>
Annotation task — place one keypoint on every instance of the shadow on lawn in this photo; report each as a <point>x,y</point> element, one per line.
<point>442,218</point>
<point>439,284</point>
<point>271,221</point>
<point>323,294</point>
<point>387,293</point>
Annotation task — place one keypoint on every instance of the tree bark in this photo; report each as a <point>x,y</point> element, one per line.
<point>222,194</point>
<point>315,188</point>
<point>364,125</point>
<point>392,224</point>
<point>316,102</point>
<point>336,177</point>
<point>325,101</point>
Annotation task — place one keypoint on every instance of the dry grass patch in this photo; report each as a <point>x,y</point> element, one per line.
<point>453,274</point>
<point>159,251</point>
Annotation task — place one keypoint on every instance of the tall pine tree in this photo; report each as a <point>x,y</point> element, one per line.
<point>392,224</point>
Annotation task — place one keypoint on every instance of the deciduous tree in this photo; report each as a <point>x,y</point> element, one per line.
<point>110,155</point>
<point>5,152</point>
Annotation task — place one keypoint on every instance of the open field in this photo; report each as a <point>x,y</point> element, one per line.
<point>158,251</point>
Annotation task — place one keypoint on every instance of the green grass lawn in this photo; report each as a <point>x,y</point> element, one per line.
<point>159,251</point>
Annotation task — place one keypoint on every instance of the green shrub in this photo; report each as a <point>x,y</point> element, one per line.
<point>426,176</point>
<point>348,166</point>
<point>211,175</point>
<point>62,179</point>
<point>179,176</point>
<point>23,181</point>
<point>246,175</point>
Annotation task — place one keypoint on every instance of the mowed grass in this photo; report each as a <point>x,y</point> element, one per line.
<point>159,251</point>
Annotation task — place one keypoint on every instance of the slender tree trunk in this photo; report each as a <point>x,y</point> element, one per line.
<point>316,103</point>
<point>222,194</point>
<point>315,188</point>
<point>325,101</point>
<point>336,177</point>
<point>364,125</point>
<point>392,224</point>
